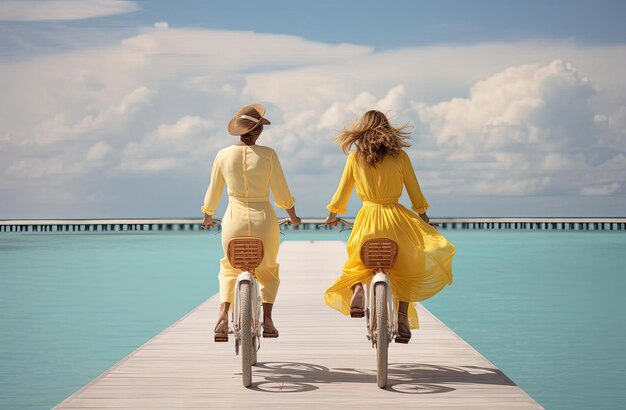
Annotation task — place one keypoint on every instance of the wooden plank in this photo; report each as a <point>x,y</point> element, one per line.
<point>321,359</point>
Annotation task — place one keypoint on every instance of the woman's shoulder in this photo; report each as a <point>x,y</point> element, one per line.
<point>264,150</point>
<point>224,151</point>
<point>398,159</point>
<point>257,148</point>
<point>402,156</point>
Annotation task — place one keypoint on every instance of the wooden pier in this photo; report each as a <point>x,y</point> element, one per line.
<point>193,224</point>
<point>321,360</point>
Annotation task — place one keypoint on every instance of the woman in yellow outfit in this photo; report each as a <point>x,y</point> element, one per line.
<point>380,168</point>
<point>249,171</point>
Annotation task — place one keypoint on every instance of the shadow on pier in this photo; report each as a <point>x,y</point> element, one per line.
<point>411,378</point>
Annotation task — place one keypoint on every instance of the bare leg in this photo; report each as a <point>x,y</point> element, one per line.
<point>223,315</point>
<point>403,307</point>
<point>404,329</point>
<point>221,328</point>
<point>357,304</point>
<point>269,330</point>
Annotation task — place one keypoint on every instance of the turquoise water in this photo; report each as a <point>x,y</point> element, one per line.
<point>71,305</point>
<point>548,308</point>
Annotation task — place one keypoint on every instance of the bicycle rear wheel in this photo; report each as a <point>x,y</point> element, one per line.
<point>246,332</point>
<point>382,334</point>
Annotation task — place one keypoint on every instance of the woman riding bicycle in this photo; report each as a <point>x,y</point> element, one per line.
<point>380,168</point>
<point>249,171</point>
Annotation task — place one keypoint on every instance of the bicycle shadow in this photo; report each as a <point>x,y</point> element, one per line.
<point>405,378</point>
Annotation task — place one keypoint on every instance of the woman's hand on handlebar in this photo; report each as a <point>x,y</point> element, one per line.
<point>424,217</point>
<point>331,219</point>
<point>208,221</point>
<point>293,218</point>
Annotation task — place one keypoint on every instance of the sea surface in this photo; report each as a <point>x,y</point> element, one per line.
<point>546,307</point>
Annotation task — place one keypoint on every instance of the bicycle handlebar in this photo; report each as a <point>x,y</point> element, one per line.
<point>284,221</point>
<point>338,220</point>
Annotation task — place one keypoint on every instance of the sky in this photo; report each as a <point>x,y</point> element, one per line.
<point>116,108</point>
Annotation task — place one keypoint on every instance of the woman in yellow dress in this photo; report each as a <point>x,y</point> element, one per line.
<point>249,171</point>
<point>380,168</point>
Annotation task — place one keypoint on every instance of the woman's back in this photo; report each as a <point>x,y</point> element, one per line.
<point>247,170</point>
<point>382,182</point>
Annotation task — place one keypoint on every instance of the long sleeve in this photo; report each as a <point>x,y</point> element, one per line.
<point>340,200</point>
<point>418,201</point>
<point>278,184</point>
<point>213,194</point>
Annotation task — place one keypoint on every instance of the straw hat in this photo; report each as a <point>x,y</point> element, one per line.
<point>247,119</point>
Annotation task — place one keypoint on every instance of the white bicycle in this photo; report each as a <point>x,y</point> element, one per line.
<point>246,253</point>
<point>381,317</point>
<point>380,255</point>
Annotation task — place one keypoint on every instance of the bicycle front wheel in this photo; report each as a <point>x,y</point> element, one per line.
<point>382,334</point>
<point>246,332</point>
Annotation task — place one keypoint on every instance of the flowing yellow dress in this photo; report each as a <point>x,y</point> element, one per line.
<point>249,172</point>
<point>424,264</point>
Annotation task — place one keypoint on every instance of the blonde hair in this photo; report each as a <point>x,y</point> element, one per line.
<point>374,137</point>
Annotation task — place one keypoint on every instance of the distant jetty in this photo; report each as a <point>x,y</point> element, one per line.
<point>193,224</point>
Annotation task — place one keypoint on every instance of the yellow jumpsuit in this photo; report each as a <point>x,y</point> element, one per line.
<point>424,264</point>
<point>249,172</point>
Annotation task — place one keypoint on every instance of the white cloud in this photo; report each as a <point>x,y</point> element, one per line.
<point>51,167</point>
<point>99,151</point>
<point>538,123</point>
<point>340,114</point>
<point>520,105</point>
<point>170,146</point>
<point>225,50</point>
<point>183,127</point>
<point>606,189</point>
<point>60,127</point>
<point>491,119</point>
<point>395,100</point>
<point>49,10</point>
